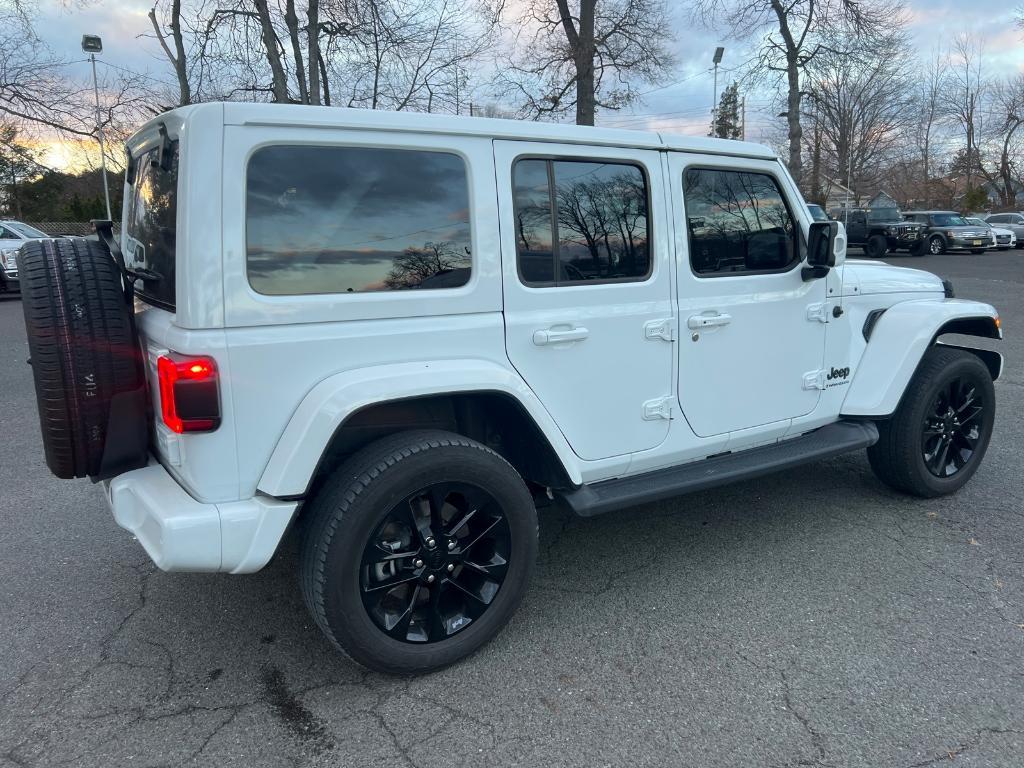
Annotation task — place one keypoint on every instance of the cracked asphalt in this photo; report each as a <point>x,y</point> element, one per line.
<point>813,618</point>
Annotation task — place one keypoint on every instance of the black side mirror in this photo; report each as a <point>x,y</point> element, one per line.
<point>821,255</point>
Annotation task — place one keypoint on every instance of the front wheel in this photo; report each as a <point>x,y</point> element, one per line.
<point>418,551</point>
<point>934,442</point>
<point>936,246</point>
<point>876,246</point>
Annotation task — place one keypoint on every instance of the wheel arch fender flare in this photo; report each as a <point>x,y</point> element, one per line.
<point>899,340</point>
<point>326,407</point>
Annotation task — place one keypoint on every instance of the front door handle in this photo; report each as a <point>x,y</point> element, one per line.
<point>708,320</point>
<point>559,336</point>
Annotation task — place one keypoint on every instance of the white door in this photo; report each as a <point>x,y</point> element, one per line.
<point>752,330</point>
<point>587,290</point>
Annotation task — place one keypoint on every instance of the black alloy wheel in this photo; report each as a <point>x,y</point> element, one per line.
<point>937,437</point>
<point>952,428</point>
<point>935,246</point>
<point>436,562</point>
<point>417,550</point>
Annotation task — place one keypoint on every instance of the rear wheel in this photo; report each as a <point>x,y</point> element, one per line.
<point>938,436</point>
<point>418,551</point>
<point>876,246</point>
<point>936,245</point>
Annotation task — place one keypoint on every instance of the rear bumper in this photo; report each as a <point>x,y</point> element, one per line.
<point>182,534</point>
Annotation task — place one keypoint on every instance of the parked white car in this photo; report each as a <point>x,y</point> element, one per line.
<point>13,235</point>
<point>1012,221</point>
<point>400,334</point>
<point>1002,239</point>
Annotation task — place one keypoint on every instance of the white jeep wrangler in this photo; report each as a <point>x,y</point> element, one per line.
<point>399,333</point>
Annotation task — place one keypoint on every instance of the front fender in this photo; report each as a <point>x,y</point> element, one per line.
<point>899,340</point>
<point>326,407</point>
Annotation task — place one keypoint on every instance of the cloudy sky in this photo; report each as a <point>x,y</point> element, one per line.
<point>683,103</point>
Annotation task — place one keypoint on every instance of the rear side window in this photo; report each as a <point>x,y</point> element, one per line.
<point>997,219</point>
<point>737,221</point>
<point>151,223</point>
<point>356,219</point>
<point>580,221</point>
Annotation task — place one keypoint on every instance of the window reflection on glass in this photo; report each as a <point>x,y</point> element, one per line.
<point>151,224</point>
<point>591,225</point>
<point>737,222</point>
<point>354,219</point>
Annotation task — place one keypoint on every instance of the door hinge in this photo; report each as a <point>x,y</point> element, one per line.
<point>664,329</point>
<point>817,312</point>
<point>814,380</point>
<point>658,409</point>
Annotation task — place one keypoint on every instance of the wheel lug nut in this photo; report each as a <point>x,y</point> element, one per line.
<point>430,579</point>
<point>451,545</point>
<point>430,543</point>
<point>451,567</point>
<point>418,563</point>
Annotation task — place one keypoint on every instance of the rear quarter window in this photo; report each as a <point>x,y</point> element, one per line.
<point>151,224</point>
<point>331,219</point>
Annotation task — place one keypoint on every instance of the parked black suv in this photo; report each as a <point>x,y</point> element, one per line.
<point>880,230</point>
<point>949,231</point>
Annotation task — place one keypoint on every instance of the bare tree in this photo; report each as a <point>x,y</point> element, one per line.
<point>585,54</point>
<point>860,106</point>
<point>930,110</point>
<point>794,33</point>
<point>1006,137</point>
<point>964,93</point>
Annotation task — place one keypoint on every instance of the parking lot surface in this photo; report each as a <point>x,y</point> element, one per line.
<point>809,618</point>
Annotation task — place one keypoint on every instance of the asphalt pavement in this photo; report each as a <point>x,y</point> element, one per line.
<point>813,618</point>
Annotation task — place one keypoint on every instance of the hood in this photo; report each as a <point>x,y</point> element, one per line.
<point>862,277</point>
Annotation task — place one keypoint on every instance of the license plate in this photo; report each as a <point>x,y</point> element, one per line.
<point>979,242</point>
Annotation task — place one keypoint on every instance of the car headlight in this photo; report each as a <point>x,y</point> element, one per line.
<point>951,234</point>
<point>9,258</point>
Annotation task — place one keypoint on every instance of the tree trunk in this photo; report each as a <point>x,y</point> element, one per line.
<point>584,55</point>
<point>177,58</point>
<point>323,78</point>
<point>291,21</point>
<point>280,82</point>
<point>313,46</point>
<point>795,163</point>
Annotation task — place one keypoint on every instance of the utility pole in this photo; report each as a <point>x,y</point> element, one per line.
<point>92,44</point>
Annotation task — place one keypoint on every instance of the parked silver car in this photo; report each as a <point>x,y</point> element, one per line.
<point>13,235</point>
<point>1002,239</point>
<point>1012,221</point>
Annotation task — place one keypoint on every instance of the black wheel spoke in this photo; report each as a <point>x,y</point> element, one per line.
<point>493,569</point>
<point>438,630</point>
<point>476,595</point>
<point>400,629</point>
<point>971,416</point>
<point>403,577</point>
<point>419,510</point>
<point>479,536</point>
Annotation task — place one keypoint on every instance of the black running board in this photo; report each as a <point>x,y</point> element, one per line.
<point>824,443</point>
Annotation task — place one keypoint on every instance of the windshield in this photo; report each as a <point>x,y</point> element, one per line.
<point>884,214</point>
<point>25,230</point>
<point>949,220</point>
<point>151,225</point>
<point>816,212</point>
<point>976,222</point>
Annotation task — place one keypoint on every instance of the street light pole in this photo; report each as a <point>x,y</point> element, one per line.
<point>716,60</point>
<point>92,45</point>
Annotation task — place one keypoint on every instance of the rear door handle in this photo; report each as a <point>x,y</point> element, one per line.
<point>708,320</point>
<point>559,336</point>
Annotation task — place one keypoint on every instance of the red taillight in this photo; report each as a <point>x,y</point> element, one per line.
<point>189,395</point>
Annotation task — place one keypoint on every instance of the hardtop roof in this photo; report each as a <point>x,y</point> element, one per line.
<point>300,115</point>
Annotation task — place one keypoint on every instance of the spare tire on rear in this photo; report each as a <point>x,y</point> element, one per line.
<point>86,359</point>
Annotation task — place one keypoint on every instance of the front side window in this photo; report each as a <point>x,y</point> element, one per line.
<point>948,220</point>
<point>737,222</point>
<point>884,214</point>
<point>356,219</point>
<point>580,221</point>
